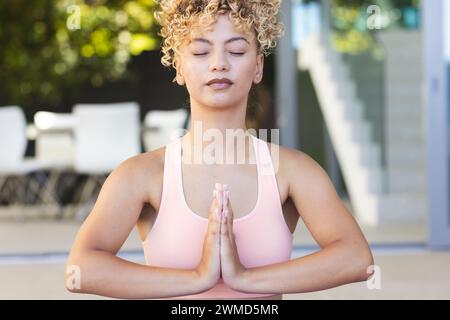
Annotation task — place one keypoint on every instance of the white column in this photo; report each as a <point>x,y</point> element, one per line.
<point>436,112</point>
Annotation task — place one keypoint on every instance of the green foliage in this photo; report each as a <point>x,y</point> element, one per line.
<point>348,35</point>
<point>44,56</point>
<point>349,22</point>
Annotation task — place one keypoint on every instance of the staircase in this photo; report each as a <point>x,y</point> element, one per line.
<point>404,127</point>
<point>380,192</point>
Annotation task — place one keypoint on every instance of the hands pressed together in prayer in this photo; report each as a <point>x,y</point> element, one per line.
<point>220,256</point>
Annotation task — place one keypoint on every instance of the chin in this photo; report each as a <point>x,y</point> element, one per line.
<point>220,103</point>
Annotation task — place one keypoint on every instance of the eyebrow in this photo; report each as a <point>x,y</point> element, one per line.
<point>227,41</point>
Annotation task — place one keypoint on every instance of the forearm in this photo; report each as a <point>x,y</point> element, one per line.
<point>335,265</point>
<point>105,274</point>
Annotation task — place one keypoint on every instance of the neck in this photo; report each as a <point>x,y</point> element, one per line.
<point>217,136</point>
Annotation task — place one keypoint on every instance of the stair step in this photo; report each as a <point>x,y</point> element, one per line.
<point>410,147</point>
<point>400,54</point>
<point>369,178</point>
<point>404,56</point>
<point>403,72</point>
<point>396,101</point>
<point>373,74</point>
<point>335,73</point>
<point>405,121</point>
<point>420,166</point>
<point>407,181</point>
<point>404,110</point>
<point>346,92</point>
<point>402,87</point>
<point>354,111</point>
<point>340,75</point>
<point>360,132</point>
<point>395,142</point>
<point>413,43</point>
<point>370,155</point>
<point>400,207</point>
<point>367,85</point>
<point>375,178</point>
<point>407,79</point>
<point>401,135</point>
<point>393,96</point>
<point>401,92</point>
<point>407,156</point>
<point>413,78</point>
<point>400,39</point>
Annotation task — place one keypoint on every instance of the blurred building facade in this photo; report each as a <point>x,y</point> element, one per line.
<point>379,72</point>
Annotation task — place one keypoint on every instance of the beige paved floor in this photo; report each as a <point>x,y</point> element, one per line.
<point>406,276</point>
<point>414,275</point>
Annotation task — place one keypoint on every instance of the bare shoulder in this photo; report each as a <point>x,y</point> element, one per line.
<point>146,170</point>
<point>140,177</point>
<point>296,166</point>
<point>289,158</point>
<point>151,162</point>
<point>143,165</point>
<point>284,161</point>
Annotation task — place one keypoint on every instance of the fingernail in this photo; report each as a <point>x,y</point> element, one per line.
<point>225,213</point>
<point>218,186</point>
<point>218,213</point>
<point>224,186</point>
<point>225,199</point>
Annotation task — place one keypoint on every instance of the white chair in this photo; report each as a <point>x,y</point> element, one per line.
<point>105,135</point>
<point>13,139</point>
<point>54,138</point>
<point>160,126</point>
<point>14,168</point>
<point>54,145</point>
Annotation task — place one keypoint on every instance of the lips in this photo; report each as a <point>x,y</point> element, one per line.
<point>219,84</point>
<point>222,81</point>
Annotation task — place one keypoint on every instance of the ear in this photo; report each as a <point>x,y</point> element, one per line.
<point>179,76</point>
<point>259,68</point>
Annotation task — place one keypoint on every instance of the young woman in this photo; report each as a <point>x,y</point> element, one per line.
<point>218,229</point>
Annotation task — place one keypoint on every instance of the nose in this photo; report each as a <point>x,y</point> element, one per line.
<point>219,61</point>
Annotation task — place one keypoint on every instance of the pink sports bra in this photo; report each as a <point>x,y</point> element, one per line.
<point>177,236</point>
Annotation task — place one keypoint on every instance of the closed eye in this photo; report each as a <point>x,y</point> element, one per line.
<point>234,53</point>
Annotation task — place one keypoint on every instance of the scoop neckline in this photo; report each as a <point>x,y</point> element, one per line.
<point>181,188</point>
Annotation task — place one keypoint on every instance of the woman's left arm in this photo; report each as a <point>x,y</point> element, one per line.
<point>344,254</point>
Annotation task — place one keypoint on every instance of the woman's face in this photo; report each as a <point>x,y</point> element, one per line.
<point>222,52</point>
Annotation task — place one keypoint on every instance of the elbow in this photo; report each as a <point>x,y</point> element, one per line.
<point>72,276</point>
<point>364,264</point>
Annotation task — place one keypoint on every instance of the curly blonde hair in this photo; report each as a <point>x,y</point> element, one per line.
<point>178,18</point>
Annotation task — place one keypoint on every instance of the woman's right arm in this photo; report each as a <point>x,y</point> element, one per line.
<point>103,233</point>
